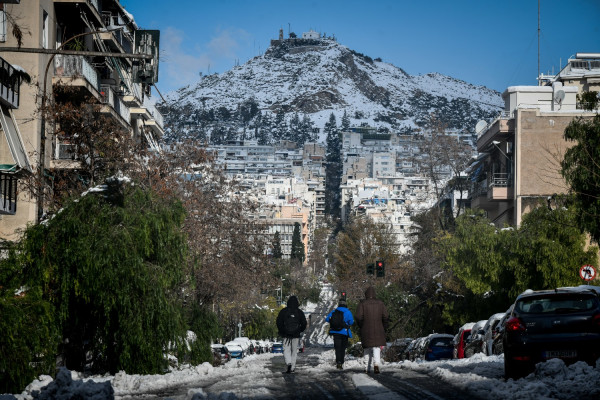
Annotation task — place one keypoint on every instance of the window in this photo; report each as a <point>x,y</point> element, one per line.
<point>45,30</point>
<point>2,26</point>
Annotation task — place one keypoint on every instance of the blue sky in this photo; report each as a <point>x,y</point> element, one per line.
<point>493,43</point>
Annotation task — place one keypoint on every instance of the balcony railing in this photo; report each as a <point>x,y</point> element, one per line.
<point>69,66</point>
<point>500,179</point>
<point>109,97</point>
<point>158,117</point>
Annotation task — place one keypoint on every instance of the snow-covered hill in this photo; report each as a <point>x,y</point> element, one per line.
<point>317,77</point>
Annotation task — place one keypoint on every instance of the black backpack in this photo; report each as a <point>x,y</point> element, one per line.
<point>291,323</point>
<point>336,322</point>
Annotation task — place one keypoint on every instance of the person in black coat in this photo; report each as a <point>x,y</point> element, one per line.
<point>291,322</point>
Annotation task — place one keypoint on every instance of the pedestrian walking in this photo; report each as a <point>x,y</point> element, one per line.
<point>291,322</point>
<point>340,319</point>
<point>372,317</point>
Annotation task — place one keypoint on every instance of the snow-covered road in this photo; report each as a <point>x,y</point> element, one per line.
<point>261,377</point>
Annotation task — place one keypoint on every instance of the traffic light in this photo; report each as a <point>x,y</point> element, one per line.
<point>380,268</point>
<point>343,296</point>
<point>370,269</point>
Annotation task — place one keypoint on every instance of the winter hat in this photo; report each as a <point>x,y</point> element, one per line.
<point>342,303</point>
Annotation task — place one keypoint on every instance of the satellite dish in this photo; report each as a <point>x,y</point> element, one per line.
<point>559,96</point>
<point>481,125</point>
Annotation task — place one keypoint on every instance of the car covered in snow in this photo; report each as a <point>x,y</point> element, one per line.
<point>235,350</point>
<point>460,340</point>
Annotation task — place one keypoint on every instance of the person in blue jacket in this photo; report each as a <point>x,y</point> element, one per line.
<point>340,337</point>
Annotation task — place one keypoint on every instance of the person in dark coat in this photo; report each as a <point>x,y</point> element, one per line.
<point>340,337</point>
<point>291,322</point>
<point>372,317</point>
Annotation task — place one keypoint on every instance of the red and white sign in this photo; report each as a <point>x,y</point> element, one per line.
<point>587,272</point>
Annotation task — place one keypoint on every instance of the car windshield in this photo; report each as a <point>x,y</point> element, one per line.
<point>442,342</point>
<point>557,303</point>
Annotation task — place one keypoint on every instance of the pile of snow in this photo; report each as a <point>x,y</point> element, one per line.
<point>484,376</point>
<point>479,375</point>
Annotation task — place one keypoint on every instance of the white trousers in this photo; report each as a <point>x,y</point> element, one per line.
<point>374,354</point>
<point>290,351</point>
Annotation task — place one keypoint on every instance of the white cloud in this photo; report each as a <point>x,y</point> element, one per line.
<point>182,62</point>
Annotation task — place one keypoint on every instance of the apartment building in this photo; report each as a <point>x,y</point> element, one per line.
<point>93,47</point>
<point>520,151</point>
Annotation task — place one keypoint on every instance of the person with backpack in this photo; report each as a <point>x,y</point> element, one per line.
<point>291,322</point>
<point>340,321</point>
<point>372,317</point>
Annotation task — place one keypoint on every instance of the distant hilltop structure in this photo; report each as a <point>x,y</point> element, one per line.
<point>306,36</point>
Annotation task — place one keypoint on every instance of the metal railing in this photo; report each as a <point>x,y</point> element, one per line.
<point>68,66</point>
<point>501,179</point>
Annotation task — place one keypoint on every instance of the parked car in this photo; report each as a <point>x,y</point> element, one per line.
<point>221,351</point>
<point>460,339</point>
<point>277,347</point>
<point>497,345</point>
<point>235,350</point>
<point>409,349</point>
<point>488,332</point>
<point>474,343</point>
<point>418,349</point>
<point>437,346</point>
<point>396,349</point>
<point>246,344</point>
<point>562,323</point>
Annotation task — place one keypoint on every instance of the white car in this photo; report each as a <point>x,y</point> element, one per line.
<point>488,332</point>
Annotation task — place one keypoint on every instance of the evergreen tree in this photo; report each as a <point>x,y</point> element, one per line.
<point>280,131</point>
<point>277,253</point>
<point>333,169</point>
<point>581,170</point>
<point>265,127</point>
<point>294,132</point>
<point>297,244</point>
<point>117,306</point>
<point>345,122</point>
<point>305,130</point>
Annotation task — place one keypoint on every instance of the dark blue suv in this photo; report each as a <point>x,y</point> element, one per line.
<point>562,323</point>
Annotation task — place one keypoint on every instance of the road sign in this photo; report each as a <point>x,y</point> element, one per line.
<point>587,272</point>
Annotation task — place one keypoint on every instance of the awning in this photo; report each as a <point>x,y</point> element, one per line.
<point>13,137</point>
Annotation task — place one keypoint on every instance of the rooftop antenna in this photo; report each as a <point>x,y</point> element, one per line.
<point>539,79</point>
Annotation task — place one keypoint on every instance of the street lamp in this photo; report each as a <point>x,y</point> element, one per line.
<point>496,143</point>
<point>40,199</point>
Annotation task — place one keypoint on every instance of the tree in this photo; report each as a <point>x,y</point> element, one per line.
<point>361,242</point>
<point>581,169</point>
<point>443,159</point>
<point>280,131</point>
<point>118,305</point>
<point>297,244</point>
<point>491,267</point>
<point>277,246</point>
<point>333,172</point>
<point>345,127</point>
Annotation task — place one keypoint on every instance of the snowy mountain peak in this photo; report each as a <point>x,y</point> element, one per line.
<point>316,77</point>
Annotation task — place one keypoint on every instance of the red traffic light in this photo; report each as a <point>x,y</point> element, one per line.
<point>380,264</point>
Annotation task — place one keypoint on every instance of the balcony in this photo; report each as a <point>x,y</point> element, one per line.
<point>501,188</point>
<point>115,106</point>
<point>9,85</point>
<point>501,128</point>
<point>76,71</point>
